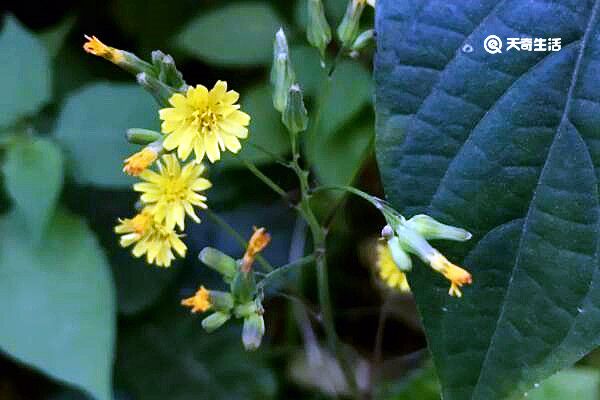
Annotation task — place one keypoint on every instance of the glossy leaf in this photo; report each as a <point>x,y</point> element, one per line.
<point>33,173</point>
<point>57,308</point>
<point>236,34</point>
<point>504,145</point>
<point>25,57</point>
<point>92,128</point>
<point>574,383</point>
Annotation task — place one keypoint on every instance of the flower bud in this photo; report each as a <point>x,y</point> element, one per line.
<point>215,321</point>
<point>400,257</point>
<point>128,61</point>
<point>348,28</point>
<point>243,286</point>
<point>429,228</point>
<point>246,309</point>
<point>142,136</point>
<point>295,116</point>
<point>363,40</point>
<point>253,331</point>
<point>167,71</point>
<point>282,73</point>
<point>161,92</point>
<point>318,31</point>
<point>218,261</point>
<point>221,301</point>
<point>412,242</point>
<point>387,232</point>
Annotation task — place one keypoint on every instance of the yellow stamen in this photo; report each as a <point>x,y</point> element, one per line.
<point>259,240</point>
<point>456,275</point>
<point>96,47</point>
<point>200,302</point>
<point>388,270</point>
<point>138,162</point>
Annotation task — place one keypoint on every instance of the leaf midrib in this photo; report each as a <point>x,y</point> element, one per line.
<point>524,230</point>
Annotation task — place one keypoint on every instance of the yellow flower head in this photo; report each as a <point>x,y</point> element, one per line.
<point>172,192</point>
<point>456,275</point>
<point>207,122</point>
<point>96,47</point>
<point>138,162</point>
<point>151,238</point>
<point>259,240</point>
<point>200,302</point>
<point>388,270</point>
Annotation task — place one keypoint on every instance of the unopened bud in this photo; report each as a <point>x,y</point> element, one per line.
<point>363,40</point>
<point>295,116</point>
<point>318,31</point>
<point>253,331</point>
<point>124,59</point>
<point>246,309</point>
<point>215,321</point>
<point>167,72</point>
<point>243,286</point>
<point>221,301</point>
<point>387,232</point>
<point>400,257</point>
<point>142,136</point>
<point>348,29</point>
<point>161,92</point>
<point>412,242</point>
<point>429,228</point>
<point>218,261</point>
<point>282,73</point>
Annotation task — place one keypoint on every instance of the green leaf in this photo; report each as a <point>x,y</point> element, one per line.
<point>503,145</point>
<point>236,34</point>
<point>574,383</point>
<point>307,65</point>
<point>25,74</point>
<point>57,308</point>
<point>265,131</point>
<point>55,36</point>
<point>420,384</point>
<point>92,127</point>
<point>33,173</point>
<point>169,356</point>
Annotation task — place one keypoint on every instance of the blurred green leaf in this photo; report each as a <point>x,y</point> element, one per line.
<point>420,384</point>
<point>54,37</point>
<point>33,171</point>
<point>266,129</point>
<point>307,65</point>
<point>236,34</point>
<point>57,309</point>
<point>169,356</point>
<point>573,383</point>
<point>25,73</point>
<point>92,128</point>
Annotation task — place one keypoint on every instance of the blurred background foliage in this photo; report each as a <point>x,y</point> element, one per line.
<point>79,316</point>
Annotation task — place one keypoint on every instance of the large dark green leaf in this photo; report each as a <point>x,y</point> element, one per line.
<point>504,145</point>
<point>57,309</point>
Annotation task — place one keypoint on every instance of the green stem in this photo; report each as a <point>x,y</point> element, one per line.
<point>239,238</point>
<point>265,179</point>
<point>273,275</point>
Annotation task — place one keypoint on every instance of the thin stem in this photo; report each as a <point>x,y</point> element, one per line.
<point>265,179</point>
<point>239,238</point>
<point>285,268</point>
<point>274,156</point>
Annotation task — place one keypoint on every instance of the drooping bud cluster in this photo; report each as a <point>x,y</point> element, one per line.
<point>318,31</point>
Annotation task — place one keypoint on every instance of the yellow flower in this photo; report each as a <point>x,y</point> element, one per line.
<point>138,162</point>
<point>388,270</point>
<point>172,192</point>
<point>200,302</point>
<point>456,275</point>
<point>96,47</point>
<point>204,121</point>
<point>150,238</point>
<point>259,240</point>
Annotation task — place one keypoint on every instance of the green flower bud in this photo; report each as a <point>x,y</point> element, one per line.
<point>429,228</point>
<point>253,331</point>
<point>219,261</point>
<point>143,136</point>
<point>243,286</point>
<point>161,92</point>
<point>215,321</point>
<point>363,40</point>
<point>124,59</point>
<point>246,309</point>
<point>221,301</point>
<point>167,71</point>
<point>318,31</point>
<point>412,242</point>
<point>348,29</point>
<point>295,116</point>
<point>400,257</point>
<point>282,73</point>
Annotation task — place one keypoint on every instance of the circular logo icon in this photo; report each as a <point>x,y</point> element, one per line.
<point>493,44</point>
